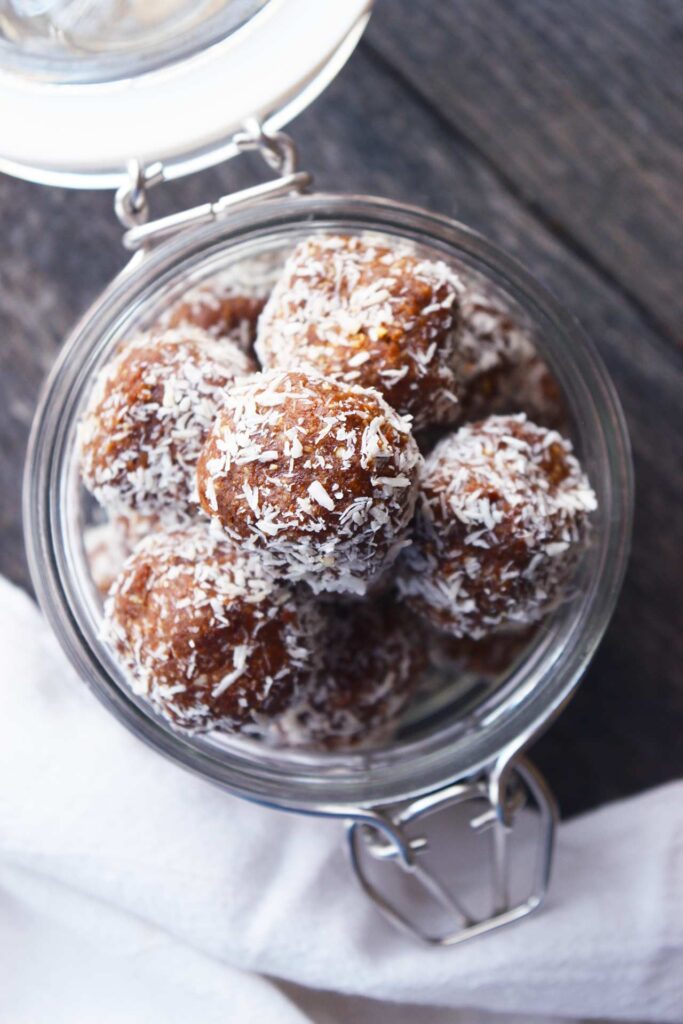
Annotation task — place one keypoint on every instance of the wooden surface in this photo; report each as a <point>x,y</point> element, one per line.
<point>555,129</point>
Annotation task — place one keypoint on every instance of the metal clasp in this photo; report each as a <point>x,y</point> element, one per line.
<point>131,203</point>
<point>440,909</point>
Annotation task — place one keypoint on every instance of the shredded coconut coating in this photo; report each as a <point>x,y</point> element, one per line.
<point>501,516</point>
<point>205,636</point>
<point>496,360</point>
<point>147,418</point>
<point>359,311</point>
<point>372,666</point>
<point>491,334</point>
<point>318,477</point>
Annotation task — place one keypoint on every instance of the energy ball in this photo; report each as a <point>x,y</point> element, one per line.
<point>147,419</point>
<point>205,636</point>
<point>360,311</point>
<point>318,477</point>
<point>501,517</point>
<point>222,314</point>
<point>527,386</point>
<point>497,363</point>
<point>491,333</point>
<point>372,665</point>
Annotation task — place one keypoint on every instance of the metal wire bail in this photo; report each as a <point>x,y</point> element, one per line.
<point>507,793</point>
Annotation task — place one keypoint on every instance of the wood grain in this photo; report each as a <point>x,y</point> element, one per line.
<point>578,107</point>
<point>376,131</point>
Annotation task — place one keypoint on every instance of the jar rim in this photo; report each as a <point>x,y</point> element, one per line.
<point>321,782</point>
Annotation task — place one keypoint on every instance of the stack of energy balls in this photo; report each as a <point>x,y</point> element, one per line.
<point>296,482</point>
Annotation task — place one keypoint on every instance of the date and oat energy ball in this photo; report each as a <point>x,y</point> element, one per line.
<point>228,303</point>
<point>147,418</point>
<point>491,334</point>
<point>359,311</point>
<point>496,361</point>
<point>502,513</point>
<point>220,312</point>
<point>371,667</point>
<point>316,476</point>
<point>205,636</point>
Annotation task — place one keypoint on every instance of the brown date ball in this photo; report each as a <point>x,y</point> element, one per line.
<point>316,476</point>
<point>147,418</point>
<point>205,636</point>
<point>495,359</point>
<point>527,386</point>
<point>491,333</point>
<point>372,664</point>
<point>501,517</point>
<point>228,303</point>
<point>222,314</point>
<point>359,311</point>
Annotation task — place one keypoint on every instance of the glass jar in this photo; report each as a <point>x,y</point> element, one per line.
<point>464,747</point>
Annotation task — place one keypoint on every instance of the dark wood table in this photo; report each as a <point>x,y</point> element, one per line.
<point>553,128</point>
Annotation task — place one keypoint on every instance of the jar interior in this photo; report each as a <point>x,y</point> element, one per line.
<point>453,693</point>
<point>466,712</point>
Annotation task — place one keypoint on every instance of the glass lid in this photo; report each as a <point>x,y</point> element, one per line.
<point>101,40</point>
<point>88,85</point>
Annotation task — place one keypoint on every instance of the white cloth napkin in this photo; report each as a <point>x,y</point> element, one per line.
<point>143,893</point>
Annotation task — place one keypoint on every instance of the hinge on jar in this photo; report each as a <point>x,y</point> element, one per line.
<point>132,206</point>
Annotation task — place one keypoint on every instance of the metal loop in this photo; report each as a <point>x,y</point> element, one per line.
<point>130,202</point>
<point>276,148</point>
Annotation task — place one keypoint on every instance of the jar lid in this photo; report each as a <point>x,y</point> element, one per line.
<point>88,85</point>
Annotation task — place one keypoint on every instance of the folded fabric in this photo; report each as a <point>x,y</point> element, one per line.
<point>210,887</point>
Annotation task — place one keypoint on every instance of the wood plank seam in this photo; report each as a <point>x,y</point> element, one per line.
<point>553,225</point>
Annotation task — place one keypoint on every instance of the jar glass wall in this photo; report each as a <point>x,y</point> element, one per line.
<point>468,723</point>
